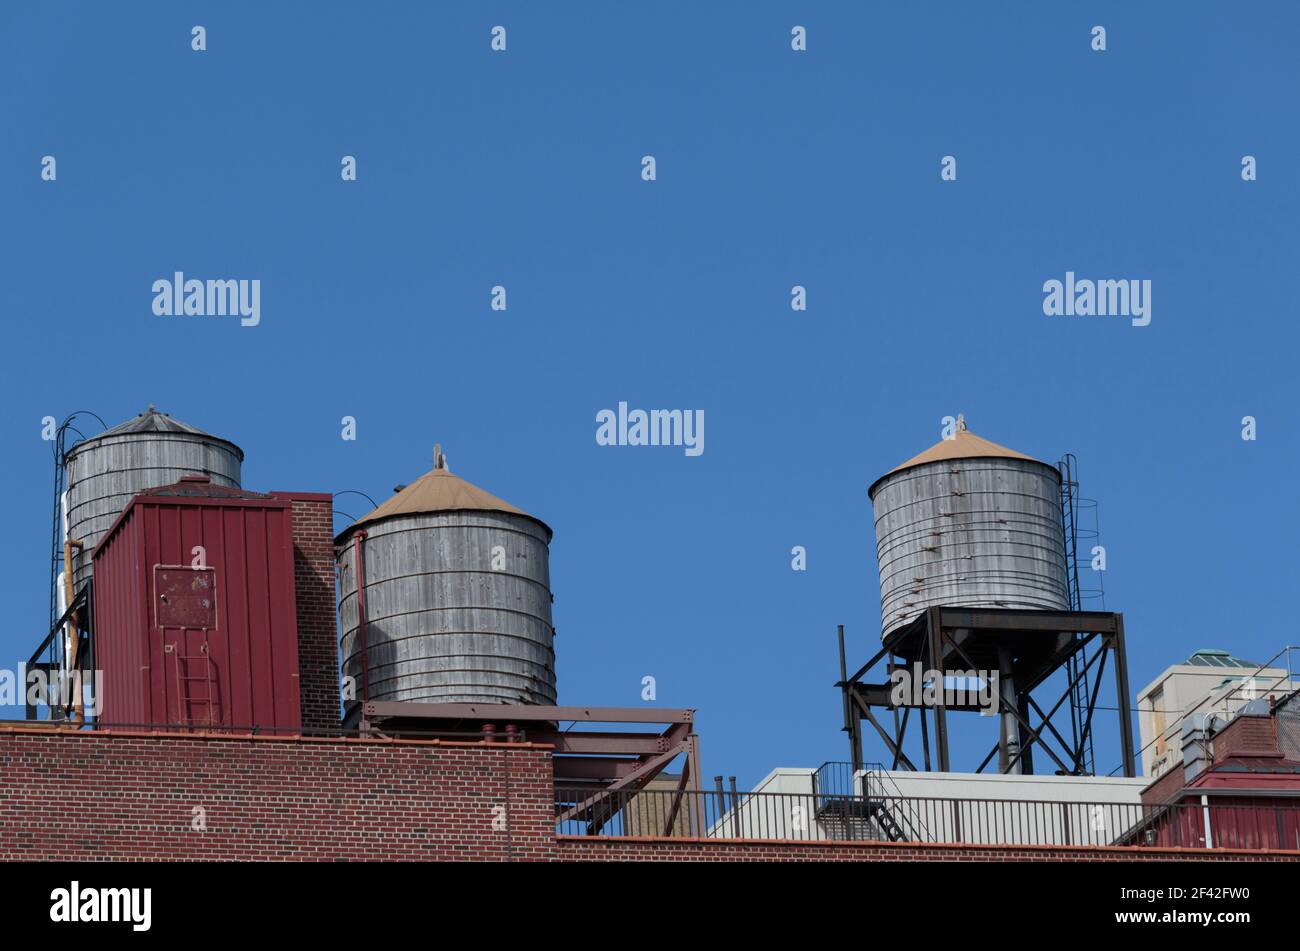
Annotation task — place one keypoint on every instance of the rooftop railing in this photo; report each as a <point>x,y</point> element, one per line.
<point>1219,822</point>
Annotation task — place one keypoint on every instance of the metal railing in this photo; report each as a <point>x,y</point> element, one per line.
<point>1220,822</point>
<point>838,778</point>
<point>906,817</point>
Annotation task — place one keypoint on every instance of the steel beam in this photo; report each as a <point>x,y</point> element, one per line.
<point>884,735</point>
<point>594,768</point>
<point>934,621</point>
<point>503,712</point>
<point>618,744</point>
<point>881,695</point>
<point>1004,707</point>
<point>1121,688</point>
<point>633,780</point>
<point>1064,622</point>
<point>930,636</point>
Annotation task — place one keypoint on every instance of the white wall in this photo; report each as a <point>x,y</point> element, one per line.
<point>993,808</point>
<point>791,815</point>
<point>945,807</point>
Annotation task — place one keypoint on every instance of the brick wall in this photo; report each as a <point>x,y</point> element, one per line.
<point>89,796</point>
<point>578,849</point>
<point>79,795</point>
<point>318,648</point>
<point>1166,787</point>
<point>1245,736</point>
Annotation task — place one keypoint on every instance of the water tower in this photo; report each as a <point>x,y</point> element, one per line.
<point>94,480</point>
<point>103,472</point>
<point>978,612</point>
<point>445,612</point>
<point>445,597</point>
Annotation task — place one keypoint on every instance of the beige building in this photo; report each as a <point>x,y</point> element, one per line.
<point>1208,682</point>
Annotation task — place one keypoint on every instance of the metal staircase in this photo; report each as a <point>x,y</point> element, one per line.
<point>875,813</point>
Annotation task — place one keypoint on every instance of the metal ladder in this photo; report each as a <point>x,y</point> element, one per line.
<point>185,698</point>
<point>1080,693</point>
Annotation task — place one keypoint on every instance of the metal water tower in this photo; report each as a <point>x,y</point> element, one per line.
<point>968,522</point>
<point>975,594</point>
<point>103,473</point>
<point>445,597</point>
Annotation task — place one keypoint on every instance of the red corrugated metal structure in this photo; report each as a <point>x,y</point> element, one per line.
<point>194,610</point>
<point>1247,796</point>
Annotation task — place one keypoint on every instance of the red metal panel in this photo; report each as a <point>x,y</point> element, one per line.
<point>185,597</point>
<point>121,660</point>
<point>195,614</point>
<point>238,648</point>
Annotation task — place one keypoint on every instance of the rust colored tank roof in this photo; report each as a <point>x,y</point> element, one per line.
<point>964,445</point>
<point>440,491</point>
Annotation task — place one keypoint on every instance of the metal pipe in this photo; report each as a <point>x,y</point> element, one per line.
<point>1010,724</point>
<point>855,746</point>
<point>359,566</point>
<point>74,637</point>
<point>1205,815</point>
<point>735,808</point>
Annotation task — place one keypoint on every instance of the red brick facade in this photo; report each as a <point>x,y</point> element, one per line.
<point>1246,736</point>
<point>117,796</point>
<point>87,796</point>
<point>318,649</point>
<point>1165,788</point>
<point>579,849</point>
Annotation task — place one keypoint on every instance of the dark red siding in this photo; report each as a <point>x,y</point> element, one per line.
<point>242,673</point>
<point>1235,822</point>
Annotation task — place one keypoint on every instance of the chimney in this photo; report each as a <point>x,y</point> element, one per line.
<point>318,645</point>
<point>1250,733</point>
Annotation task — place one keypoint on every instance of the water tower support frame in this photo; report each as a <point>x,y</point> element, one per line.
<point>589,767</point>
<point>1041,643</point>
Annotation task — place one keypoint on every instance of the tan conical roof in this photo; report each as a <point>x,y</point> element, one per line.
<point>964,445</point>
<point>440,491</point>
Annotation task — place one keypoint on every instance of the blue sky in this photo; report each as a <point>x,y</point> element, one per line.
<point>775,168</point>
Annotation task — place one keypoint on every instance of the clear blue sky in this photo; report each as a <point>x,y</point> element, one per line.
<point>775,168</point>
